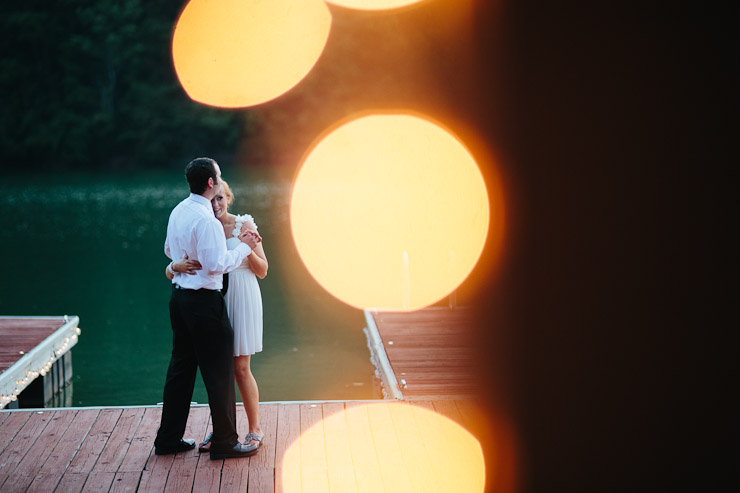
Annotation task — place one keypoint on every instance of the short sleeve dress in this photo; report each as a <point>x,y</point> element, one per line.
<point>244,299</point>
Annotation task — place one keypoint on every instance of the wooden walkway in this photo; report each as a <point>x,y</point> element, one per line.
<point>33,347</point>
<point>430,353</point>
<point>20,335</point>
<point>333,446</point>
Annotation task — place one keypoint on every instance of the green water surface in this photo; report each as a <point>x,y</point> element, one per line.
<point>92,245</point>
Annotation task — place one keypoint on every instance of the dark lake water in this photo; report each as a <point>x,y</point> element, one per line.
<point>92,246</point>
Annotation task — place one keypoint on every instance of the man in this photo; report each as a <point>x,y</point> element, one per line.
<point>202,335</point>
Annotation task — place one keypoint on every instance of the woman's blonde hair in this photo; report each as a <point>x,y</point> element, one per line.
<point>226,190</point>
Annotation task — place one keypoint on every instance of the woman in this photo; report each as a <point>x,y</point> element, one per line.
<point>244,307</point>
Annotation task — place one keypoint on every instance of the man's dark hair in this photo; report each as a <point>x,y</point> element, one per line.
<point>197,173</point>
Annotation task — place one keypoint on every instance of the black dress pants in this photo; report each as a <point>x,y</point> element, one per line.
<point>201,337</point>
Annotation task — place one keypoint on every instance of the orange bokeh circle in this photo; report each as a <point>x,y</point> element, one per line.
<point>427,453</point>
<point>237,53</point>
<point>389,211</point>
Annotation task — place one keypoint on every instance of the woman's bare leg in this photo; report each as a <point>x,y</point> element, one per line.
<point>249,392</point>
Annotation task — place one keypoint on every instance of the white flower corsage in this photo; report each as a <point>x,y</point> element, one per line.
<point>240,220</point>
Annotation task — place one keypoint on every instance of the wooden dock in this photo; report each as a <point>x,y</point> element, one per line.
<point>34,348</point>
<point>429,435</point>
<point>329,446</point>
<point>424,354</point>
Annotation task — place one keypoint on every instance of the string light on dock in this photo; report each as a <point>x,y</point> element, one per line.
<point>41,369</point>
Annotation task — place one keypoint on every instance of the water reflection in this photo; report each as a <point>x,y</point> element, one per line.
<point>93,247</point>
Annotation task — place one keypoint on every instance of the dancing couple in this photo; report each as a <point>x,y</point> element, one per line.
<point>216,325</point>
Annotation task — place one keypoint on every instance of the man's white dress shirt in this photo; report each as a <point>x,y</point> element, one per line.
<point>195,231</point>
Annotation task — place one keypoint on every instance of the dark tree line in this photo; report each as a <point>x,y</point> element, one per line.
<point>91,84</point>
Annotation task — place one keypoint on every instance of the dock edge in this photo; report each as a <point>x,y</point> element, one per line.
<point>379,358</point>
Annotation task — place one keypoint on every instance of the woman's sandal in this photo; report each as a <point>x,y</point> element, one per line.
<point>254,437</point>
<point>205,446</point>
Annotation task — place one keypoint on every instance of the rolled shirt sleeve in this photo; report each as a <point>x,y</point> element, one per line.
<point>167,249</point>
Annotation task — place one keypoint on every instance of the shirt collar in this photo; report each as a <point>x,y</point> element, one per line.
<point>200,200</point>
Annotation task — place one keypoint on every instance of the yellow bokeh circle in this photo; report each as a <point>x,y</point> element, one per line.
<point>237,53</point>
<point>424,452</point>
<point>389,211</point>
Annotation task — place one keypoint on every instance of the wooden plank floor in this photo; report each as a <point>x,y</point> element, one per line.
<point>19,335</point>
<point>432,351</point>
<point>333,446</point>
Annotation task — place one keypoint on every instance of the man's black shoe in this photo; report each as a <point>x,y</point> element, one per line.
<point>239,450</point>
<point>183,446</point>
